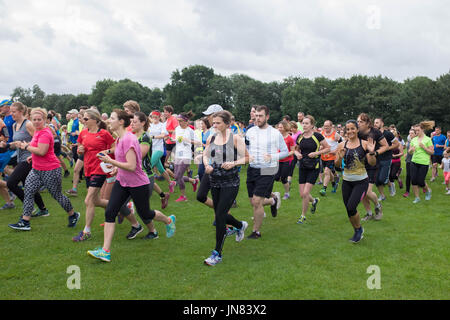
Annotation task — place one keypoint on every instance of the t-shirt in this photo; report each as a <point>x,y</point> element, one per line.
<point>376,135</point>
<point>146,161</point>
<point>9,121</point>
<point>93,143</point>
<point>75,127</point>
<point>171,124</point>
<point>439,140</point>
<point>308,145</point>
<point>420,156</point>
<point>390,139</point>
<point>446,162</point>
<point>157,130</point>
<point>126,178</point>
<point>183,149</point>
<point>49,161</point>
<point>289,144</point>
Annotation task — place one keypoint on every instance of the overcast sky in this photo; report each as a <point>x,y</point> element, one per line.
<point>65,46</point>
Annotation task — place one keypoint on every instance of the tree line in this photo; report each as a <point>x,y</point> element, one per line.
<point>196,87</point>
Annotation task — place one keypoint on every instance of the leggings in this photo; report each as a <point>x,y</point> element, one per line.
<point>352,193</point>
<point>223,199</point>
<point>205,186</point>
<point>395,168</point>
<point>52,181</point>
<point>418,174</point>
<point>180,169</point>
<point>124,209</point>
<point>20,174</point>
<point>119,196</point>
<point>156,161</point>
<point>408,176</point>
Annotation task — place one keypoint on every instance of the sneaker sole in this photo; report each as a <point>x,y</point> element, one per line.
<point>76,221</point>
<point>238,238</point>
<point>99,258</point>
<point>20,229</point>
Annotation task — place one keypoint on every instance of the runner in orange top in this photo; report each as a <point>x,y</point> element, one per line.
<point>333,139</point>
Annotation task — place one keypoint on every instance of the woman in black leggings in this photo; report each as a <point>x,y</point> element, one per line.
<point>355,153</point>
<point>223,154</point>
<point>130,181</point>
<point>408,157</point>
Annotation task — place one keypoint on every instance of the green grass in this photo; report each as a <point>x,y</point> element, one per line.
<point>289,262</point>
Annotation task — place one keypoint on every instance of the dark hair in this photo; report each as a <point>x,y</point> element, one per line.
<point>49,116</point>
<point>354,122</point>
<point>206,122</point>
<point>261,108</point>
<point>365,117</point>
<point>168,109</point>
<point>188,115</point>
<point>142,118</point>
<point>287,118</point>
<point>123,115</point>
<point>225,115</point>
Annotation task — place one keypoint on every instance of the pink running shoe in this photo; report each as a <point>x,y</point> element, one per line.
<point>181,199</point>
<point>195,185</point>
<point>172,185</point>
<point>406,194</point>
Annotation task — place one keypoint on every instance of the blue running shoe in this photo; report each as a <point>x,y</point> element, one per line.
<point>100,254</point>
<point>357,237</point>
<point>214,259</point>
<point>302,220</point>
<point>241,232</point>
<point>428,195</point>
<point>170,228</point>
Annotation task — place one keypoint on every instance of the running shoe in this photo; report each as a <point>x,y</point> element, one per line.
<point>381,198</point>
<point>335,187</point>
<point>301,220</point>
<point>254,235</point>
<point>273,207</point>
<point>72,192</point>
<point>8,206</point>
<point>428,195</point>
<point>22,225</point>
<point>165,200</point>
<point>172,185</point>
<point>100,254</point>
<point>151,236</point>
<point>214,259</point>
<point>378,212</point>
<point>134,232</point>
<point>367,217</point>
<point>448,192</point>
<point>12,196</point>
<point>229,231</point>
<point>286,196</point>
<point>416,200</point>
<point>323,192</point>
<point>314,205</point>
<point>406,194</point>
<point>181,199</point>
<point>241,232</point>
<point>73,219</point>
<point>358,236</point>
<point>392,190</point>
<point>41,213</point>
<point>195,185</point>
<point>170,228</point>
<point>278,195</point>
<point>82,236</point>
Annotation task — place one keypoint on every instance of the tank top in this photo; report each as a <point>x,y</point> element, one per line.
<point>220,154</point>
<point>331,140</point>
<point>354,159</point>
<point>22,134</point>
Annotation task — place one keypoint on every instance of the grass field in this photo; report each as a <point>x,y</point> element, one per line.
<point>290,262</point>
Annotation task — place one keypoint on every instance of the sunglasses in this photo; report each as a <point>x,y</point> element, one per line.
<point>86,119</point>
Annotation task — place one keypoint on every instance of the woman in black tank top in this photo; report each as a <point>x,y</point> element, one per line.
<point>356,153</point>
<point>224,152</point>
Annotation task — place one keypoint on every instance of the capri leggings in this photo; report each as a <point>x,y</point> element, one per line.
<point>156,161</point>
<point>180,169</point>
<point>52,181</point>
<point>352,193</point>
<point>124,209</point>
<point>395,169</point>
<point>205,186</point>
<point>119,196</point>
<point>418,174</point>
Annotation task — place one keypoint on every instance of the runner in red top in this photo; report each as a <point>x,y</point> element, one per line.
<point>91,141</point>
<point>284,165</point>
<point>171,124</point>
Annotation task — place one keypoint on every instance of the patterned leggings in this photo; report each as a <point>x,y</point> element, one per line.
<point>52,180</point>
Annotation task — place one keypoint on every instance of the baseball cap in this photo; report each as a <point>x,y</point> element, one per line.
<point>6,102</point>
<point>212,109</point>
<point>73,111</point>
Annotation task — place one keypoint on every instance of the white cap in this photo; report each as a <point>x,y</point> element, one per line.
<point>73,111</point>
<point>212,109</point>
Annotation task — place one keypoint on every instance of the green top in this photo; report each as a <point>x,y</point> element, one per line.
<point>146,161</point>
<point>420,156</point>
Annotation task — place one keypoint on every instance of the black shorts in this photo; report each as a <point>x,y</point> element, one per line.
<point>169,147</point>
<point>372,174</point>
<point>57,148</point>
<point>436,159</point>
<point>308,175</point>
<point>259,184</point>
<point>329,164</point>
<point>95,181</point>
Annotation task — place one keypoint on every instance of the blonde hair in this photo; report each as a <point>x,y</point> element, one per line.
<point>426,125</point>
<point>20,107</point>
<point>39,110</point>
<point>132,105</point>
